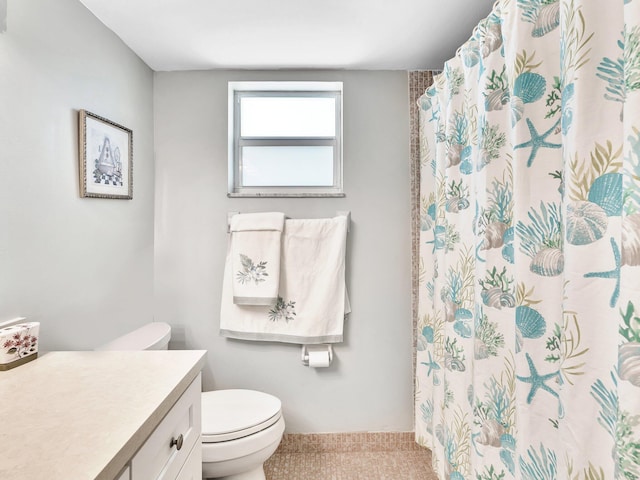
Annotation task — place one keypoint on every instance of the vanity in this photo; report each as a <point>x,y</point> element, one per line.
<point>125,415</point>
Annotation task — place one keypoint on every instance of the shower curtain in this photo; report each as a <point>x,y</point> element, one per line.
<point>528,338</point>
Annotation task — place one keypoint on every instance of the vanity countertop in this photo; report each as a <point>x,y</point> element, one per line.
<point>83,415</point>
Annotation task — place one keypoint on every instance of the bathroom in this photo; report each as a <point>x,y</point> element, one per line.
<point>90,270</point>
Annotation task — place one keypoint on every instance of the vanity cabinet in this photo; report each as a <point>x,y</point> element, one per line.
<point>173,449</point>
<point>125,413</point>
<point>192,469</point>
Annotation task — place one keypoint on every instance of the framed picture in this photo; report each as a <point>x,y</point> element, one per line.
<point>106,158</point>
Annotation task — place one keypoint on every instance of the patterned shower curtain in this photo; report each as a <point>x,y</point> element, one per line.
<point>528,362</point>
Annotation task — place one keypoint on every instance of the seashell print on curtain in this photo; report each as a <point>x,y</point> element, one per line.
<point>528,340</point>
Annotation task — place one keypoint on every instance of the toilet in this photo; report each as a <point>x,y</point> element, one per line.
<point>240,428</point>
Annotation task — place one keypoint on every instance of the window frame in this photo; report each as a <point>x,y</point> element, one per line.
<point>238,90</point>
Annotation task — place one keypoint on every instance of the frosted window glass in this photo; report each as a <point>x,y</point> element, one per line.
<point>287,117</point>
<point>309,166</point>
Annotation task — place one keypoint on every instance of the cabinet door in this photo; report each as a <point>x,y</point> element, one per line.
<point>192,469</point>
<point>159,458</point>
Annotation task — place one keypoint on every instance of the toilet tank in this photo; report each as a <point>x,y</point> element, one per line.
<point>152,336</point>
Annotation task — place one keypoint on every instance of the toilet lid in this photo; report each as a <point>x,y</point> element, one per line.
<point>231,414</point>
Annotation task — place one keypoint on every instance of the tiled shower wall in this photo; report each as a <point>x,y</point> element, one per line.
<point>418,83</point>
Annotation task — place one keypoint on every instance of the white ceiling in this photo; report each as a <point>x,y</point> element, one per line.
<point>263,34</point>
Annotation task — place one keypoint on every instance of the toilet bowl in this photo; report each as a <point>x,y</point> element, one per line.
<point>240,428</point>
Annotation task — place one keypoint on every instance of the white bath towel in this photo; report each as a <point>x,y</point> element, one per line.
<point>256,247</point>
<point>312,301</point>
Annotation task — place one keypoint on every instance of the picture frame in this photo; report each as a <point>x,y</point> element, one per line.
<point>105,158</point>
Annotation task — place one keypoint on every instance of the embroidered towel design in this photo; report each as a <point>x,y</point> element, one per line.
<point>251,272</point>
<point>283,311</point>
<point>312,299</point>
<point>256,246</point>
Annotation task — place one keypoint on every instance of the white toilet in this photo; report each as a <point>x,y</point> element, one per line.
<point>240,428</point>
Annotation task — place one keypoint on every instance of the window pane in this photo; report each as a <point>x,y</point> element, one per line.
<point>287,166</point>
<point>287,117</point>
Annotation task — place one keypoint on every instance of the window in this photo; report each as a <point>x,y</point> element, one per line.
<point>285,139</point>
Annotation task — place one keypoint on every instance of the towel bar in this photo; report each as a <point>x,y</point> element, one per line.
<point>341,213</point>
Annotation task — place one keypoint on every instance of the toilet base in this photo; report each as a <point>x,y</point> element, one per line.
<point>255,474</point>
<point>241,459</point>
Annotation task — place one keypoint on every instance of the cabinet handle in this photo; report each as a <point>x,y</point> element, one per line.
<point>177,442</point>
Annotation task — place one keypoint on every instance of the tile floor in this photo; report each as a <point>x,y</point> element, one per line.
<point>350,457</point>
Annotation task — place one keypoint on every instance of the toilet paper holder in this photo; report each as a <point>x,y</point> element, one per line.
<point>306,349</point>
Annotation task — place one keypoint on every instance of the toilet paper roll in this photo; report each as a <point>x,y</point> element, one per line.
<point>319,358</point>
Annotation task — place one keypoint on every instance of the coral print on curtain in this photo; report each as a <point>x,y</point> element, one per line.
<point>528,361</point>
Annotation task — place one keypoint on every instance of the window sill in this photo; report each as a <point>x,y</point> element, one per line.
<point>286,195</point>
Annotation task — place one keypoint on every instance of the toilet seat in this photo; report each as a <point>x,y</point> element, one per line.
<point>233,414</point>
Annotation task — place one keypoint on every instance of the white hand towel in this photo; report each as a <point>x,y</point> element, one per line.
<point>256,246</point>
<point>312,300</point>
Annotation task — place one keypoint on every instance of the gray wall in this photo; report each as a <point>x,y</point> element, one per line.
<point>82,267</point>
<point>369,387</point>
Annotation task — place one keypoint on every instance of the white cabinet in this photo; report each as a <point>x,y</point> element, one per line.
<point>192,468</point>
<point>173,450</point>
<point>118,424</point>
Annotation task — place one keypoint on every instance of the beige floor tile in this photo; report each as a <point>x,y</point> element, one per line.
<point>387,465</point>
